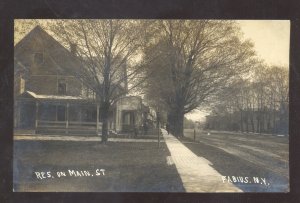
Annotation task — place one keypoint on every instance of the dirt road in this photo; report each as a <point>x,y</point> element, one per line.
<point>245,155</point>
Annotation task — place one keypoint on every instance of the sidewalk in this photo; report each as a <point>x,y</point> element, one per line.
<point>77,138</point>
<point>196,173</point>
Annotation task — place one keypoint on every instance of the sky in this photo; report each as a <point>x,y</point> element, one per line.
<point>271,40</point>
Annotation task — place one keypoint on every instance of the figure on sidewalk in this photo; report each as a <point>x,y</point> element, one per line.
<point>168,128</point>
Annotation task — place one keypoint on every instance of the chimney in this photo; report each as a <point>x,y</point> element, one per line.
<point>73,48</point>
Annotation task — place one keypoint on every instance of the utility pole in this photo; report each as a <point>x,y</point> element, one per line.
<point>158,127</point>
<point>196,126</point>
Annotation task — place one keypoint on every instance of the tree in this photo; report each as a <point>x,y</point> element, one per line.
<point>261,101</point>
<point>195,60</point>
<point>106,49</point>
<point>277,96</point>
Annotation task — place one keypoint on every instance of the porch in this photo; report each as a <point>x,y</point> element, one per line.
<point>57,115</point>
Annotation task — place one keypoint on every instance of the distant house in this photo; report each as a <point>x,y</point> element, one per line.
<point>50,99</point>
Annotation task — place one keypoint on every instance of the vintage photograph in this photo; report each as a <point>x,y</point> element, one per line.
<point>123,105</point>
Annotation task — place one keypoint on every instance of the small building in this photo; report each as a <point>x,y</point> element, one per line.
<point>128,113</point>
<point>49,99</point>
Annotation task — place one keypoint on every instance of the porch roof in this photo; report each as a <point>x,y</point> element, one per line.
<point>56,97</point>
<point>59,97</point>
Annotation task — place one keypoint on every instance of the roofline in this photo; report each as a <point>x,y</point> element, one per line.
<point>27,35</point>
<point>68,98</point>
<point>127,96</point>
<point>38,27</point>
<point>42,30</point>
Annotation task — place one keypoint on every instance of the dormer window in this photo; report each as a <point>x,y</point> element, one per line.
<point>38,58</point>
<point>62,87</point>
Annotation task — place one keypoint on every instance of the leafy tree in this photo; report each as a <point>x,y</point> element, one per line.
<point>194,61</point>
<point>261,101</point>
<point>106,49</point>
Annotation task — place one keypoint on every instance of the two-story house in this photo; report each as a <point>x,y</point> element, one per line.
<point>50,99</point>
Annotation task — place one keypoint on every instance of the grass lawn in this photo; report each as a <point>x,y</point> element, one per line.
<point>129,167</point>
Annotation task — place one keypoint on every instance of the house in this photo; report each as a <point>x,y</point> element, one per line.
<point>50,99</point>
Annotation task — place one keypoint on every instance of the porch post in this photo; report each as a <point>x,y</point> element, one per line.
<point>36,114</point>
<point>19,113</point>
<point>16,114</point>
<point>97,120</point>
<point>67,118</point>
<point>80,113</point>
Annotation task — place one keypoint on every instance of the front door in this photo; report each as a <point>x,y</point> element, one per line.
<point>128,121</point>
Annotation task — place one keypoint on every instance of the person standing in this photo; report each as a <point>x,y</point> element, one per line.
<point>168,128</point>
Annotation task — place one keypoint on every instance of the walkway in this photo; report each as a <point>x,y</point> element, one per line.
<point>77,138</point>
<point>196,173</point>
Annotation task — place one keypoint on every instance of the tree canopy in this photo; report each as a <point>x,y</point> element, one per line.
<point>192,61</point>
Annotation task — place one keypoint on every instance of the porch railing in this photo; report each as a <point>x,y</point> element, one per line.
<point>69,126</point>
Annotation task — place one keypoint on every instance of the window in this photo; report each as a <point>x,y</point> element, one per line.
<point>88,93</point>
<point>84,91</point>
<point>38,58</point>
<point>61,113</point>
<point>128,118</point>
<point>89,115</point>
<point>62,87</point>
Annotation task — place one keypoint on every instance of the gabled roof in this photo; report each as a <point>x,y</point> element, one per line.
<point>63,59</point>
<point>38,32</point>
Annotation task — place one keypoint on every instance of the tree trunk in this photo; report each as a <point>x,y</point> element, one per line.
<point>252,123</point>
<point>262,126</point>
<point>175,119</point>
<point>179,125</point>
<point>269,122</point>
<point>104,130</point>
<point>104,114</point>
<point>230,123</point>
<point>241,121</point>
<point>247,126</point>
<point>258,122</point>
<point>274,121</point>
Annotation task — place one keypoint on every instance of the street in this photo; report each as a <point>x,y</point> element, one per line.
<point>210,163</point>
<point>245,155</point>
